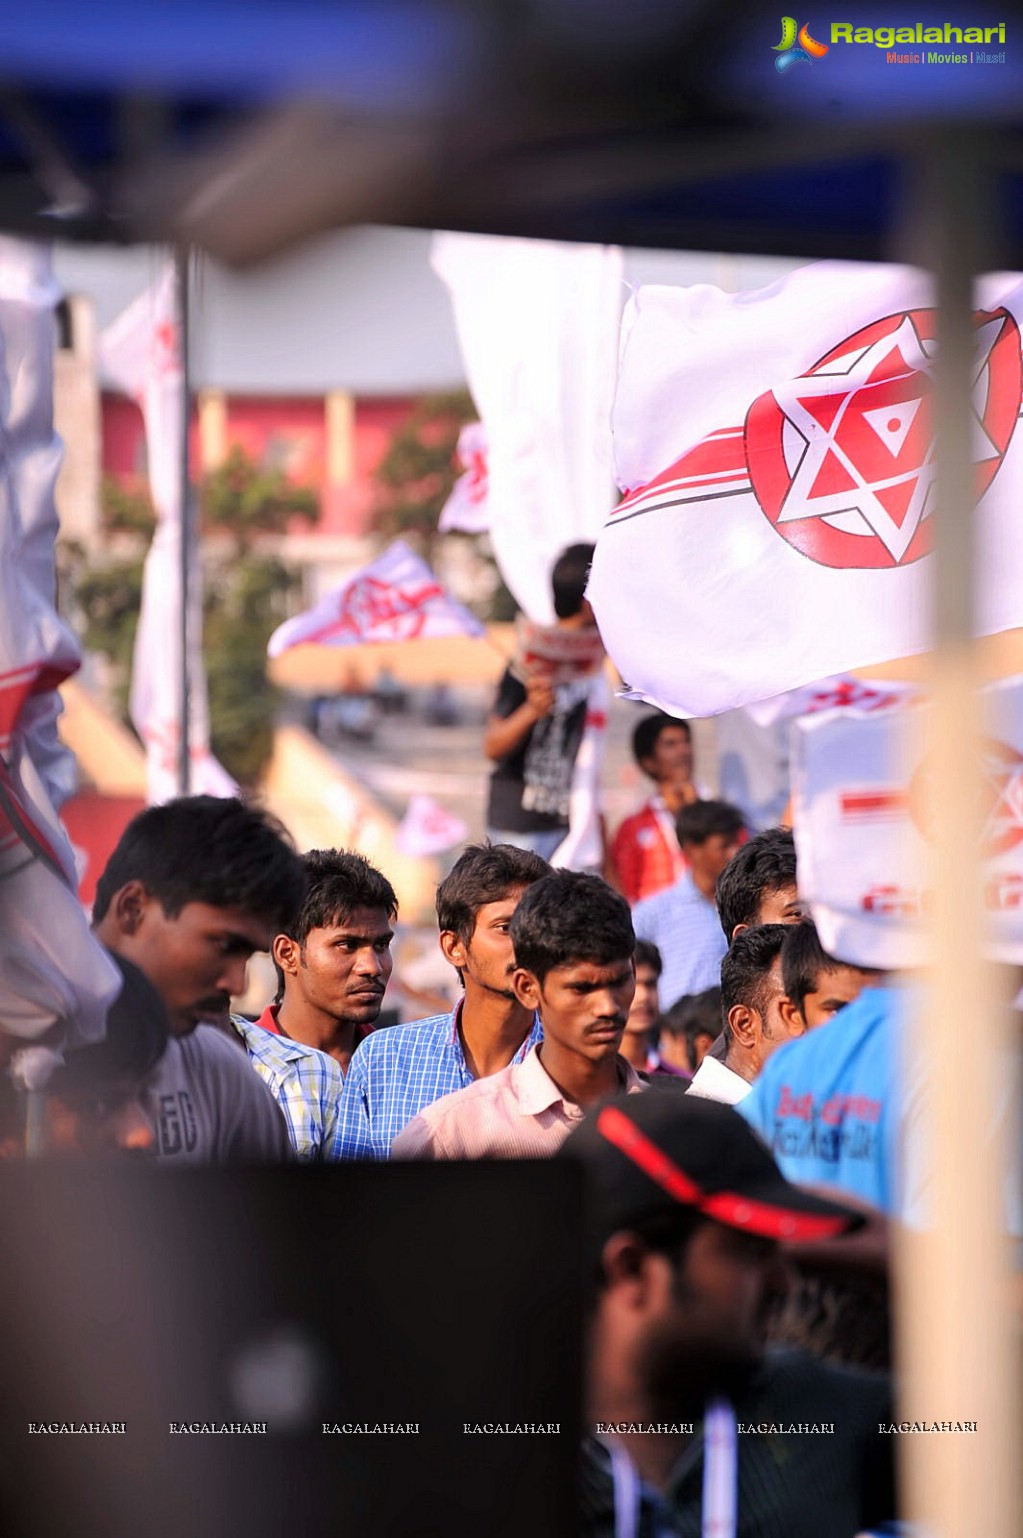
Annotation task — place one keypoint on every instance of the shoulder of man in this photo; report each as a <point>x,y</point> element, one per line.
<point>252,1124</point>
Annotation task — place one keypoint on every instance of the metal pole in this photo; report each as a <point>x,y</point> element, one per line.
<point>956,1346</point>
<point>181,261</point>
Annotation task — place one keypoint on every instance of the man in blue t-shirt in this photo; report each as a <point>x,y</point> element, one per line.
<point>829,1104</point>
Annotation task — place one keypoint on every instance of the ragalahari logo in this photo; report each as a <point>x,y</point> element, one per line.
<point>796,43</point>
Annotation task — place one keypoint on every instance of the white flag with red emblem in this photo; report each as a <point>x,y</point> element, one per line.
<point>862,820</point>
<point>776,450</point>
<point>141,352</point>
<point>428,828</point>
<point>840,693</point>
<point>394,598</point>
<point>55,973</point>
<point>466,511</point>
<point>538,329</point>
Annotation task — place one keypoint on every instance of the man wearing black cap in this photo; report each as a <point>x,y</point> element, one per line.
<point>693,1427</point>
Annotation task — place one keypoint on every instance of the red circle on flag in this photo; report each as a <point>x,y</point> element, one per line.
<point>841,460</point>
<point>1001,804</point>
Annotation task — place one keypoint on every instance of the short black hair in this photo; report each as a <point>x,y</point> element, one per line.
<point>745,966</point>
<point>765,863</point>
<point>337,882</point>
<point>804,961</point>
<point>135,1039</point>
<point>647,954</point>
<point>700,820</point>
<point>483,873</point>
<point>694,1014</point>
<point>207,849</point>
<point>567,917</point>
<point>568,579</point>
<point>646,732</point>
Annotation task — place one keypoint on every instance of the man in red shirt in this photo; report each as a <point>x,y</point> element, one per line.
<point>646,852</point>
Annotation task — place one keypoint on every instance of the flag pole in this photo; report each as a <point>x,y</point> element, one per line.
<point>181,261</point>
<point>955,1347</point>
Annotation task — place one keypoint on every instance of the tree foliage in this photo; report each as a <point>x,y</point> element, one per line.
<point>245,499</point>
<point>246,595</point>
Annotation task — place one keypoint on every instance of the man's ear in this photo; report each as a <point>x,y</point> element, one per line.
<point>452,948</point>
<point>287,953</point>
<point>631,1269</point>
<point>743,1023</point>
<point>739,929</point>
<point>128,908</point>
<point>526,988</point>
<point>792,1016</point>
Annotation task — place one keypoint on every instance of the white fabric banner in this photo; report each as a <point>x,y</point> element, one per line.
<point>842,692</point>
<point>861,822</point>
<point>141,352</point>
<point>54,971</point>
<point>467,510</point>
<point>776,450</point>
<point>538,325</point>
<point>394,598</point>
<point>428,828</point>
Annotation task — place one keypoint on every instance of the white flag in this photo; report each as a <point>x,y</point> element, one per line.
<point>428,828</point>
<point>466,509</point>
<point>55,973</point>
<point>394,598</point>
<point>842,692</point>
<point>863,820</point>
<point>777,453</point>
<point>141,351</point>
<point>538,325</point>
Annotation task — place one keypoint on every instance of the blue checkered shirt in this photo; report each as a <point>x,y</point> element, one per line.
<point>686,929</point>
<point>398,1071</point>
<point>306,1085</point>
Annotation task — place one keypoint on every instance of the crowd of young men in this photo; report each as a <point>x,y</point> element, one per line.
<point>586,1030</point>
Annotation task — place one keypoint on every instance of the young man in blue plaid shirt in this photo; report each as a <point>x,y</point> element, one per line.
<point>395,1073</point>
<point>333,960</point>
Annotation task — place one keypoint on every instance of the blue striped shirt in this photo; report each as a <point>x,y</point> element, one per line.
<point>306,1085</point>
<point>686,929</point>
<point>398,1071</point>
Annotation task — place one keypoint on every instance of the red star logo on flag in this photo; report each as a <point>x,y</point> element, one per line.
<point>842,460</point>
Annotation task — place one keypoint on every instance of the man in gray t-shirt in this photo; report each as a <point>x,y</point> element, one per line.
<point>193,888</point>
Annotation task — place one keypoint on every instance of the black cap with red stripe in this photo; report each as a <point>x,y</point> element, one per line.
<point>648,1152</point>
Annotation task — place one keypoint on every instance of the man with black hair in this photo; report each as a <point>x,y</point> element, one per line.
<point>395,1073</point>
<point>687,1030</point>
<point>573,942</point>
<point>638,1041</point>
<point>692,1426</point>
<point>645,851</point>
<point>333,960</point>
<point>534,730</point>
<point>751,1009</point>
<point>758,885</point>
<point>193,888</point>
<point>682,921</point>
<point>817,985</point>
<point>91,1105</point>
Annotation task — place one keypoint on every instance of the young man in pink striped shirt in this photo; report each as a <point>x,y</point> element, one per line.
<point>573,942</point>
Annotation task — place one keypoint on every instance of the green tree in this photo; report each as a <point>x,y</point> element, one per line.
<point>246,595</point>
<point>245,500</point>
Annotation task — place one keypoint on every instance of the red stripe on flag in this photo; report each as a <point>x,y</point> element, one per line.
<point>721,454</point>
<point>873,803</point>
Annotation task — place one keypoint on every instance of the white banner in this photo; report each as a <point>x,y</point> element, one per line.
<point>428,828</point>
<point>862,819</point>
<point>394,598</point>
<point>777,453</point>
<point>842,692</point>
<point>467,510</point>
<point>538,326</point>
<point>54,971</point>
<point>141,351</point>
